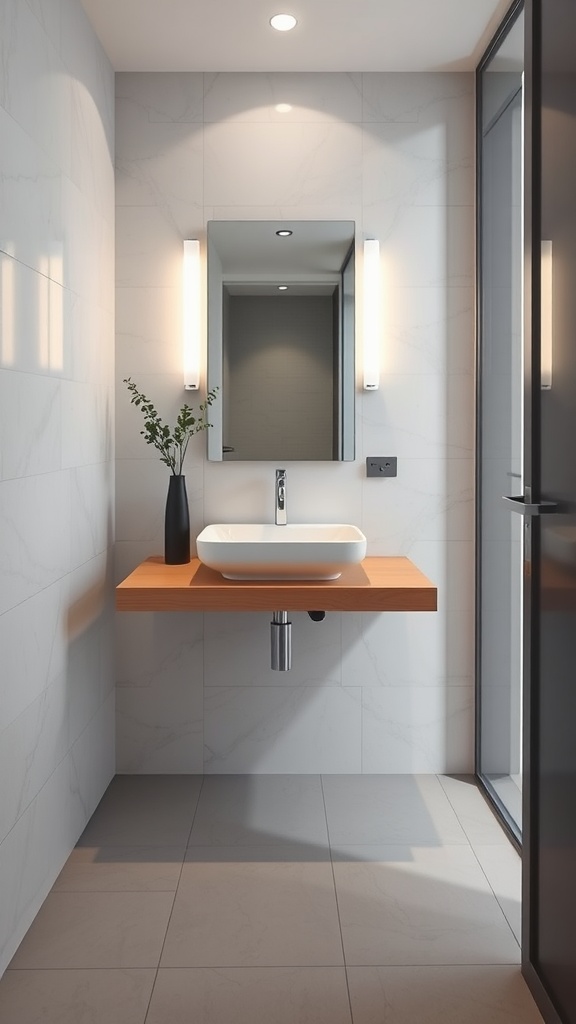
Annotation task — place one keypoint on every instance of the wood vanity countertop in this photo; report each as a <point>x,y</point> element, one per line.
<point>378,584</point>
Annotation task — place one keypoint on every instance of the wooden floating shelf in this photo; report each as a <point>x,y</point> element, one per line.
<point>382,584</point>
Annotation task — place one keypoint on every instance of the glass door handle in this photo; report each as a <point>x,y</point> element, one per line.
<point>518,503</point>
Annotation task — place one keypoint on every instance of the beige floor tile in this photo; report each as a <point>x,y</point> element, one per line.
<point>121,869</point>
<point>394,809</point>
<point>144,810</point>
<point>425,906</point>
<point>503,869</point>
<point>245,906</point>
<point>440,995</point>
<point>272,995</point>
<point>257,810</point>
<point>75,997</point>
<point>474,814</point>
<point>89,929</point>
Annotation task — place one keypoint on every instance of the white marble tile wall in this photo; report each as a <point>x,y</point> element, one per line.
<point>367,693</point>
<point>56,444</point>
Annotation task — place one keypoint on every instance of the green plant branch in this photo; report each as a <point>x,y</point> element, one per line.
<point>172,444</point>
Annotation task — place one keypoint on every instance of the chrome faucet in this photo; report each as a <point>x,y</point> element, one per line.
<point>280,509</point>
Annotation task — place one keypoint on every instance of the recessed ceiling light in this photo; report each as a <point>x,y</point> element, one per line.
<point>282,287</point>
<point>283,108</point>
<point>283,22</point>
<point>284,233</point>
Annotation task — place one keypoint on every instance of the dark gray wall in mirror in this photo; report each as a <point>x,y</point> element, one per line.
<point>283,358</point>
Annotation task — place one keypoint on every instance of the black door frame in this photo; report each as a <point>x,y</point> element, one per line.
<point>532,231</point>
<point>532,476</point>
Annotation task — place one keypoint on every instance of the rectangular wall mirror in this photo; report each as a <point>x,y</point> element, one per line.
<point>281,340</point>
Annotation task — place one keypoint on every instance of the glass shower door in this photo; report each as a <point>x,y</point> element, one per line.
<point>500,428</point>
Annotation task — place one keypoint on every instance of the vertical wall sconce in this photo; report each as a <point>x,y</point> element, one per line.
<point>371,347</point>
<point>546,316</point>
<point>191,314</point>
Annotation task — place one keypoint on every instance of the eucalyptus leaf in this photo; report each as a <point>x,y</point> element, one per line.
<point>171,444</point>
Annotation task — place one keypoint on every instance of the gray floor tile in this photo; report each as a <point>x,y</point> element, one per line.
<point>274,995</point>
<point>103,929</point>
<point>440,995</point>
<point>257,810</point>
<point>121,869</point>
<point>246,906</point>
<point>426,906</point>
<point>254,933</point>
<point>502,866</point>
<point>75,997</point>
<point>395,809</point>
<point>474,814</point>
<point>144,810</point>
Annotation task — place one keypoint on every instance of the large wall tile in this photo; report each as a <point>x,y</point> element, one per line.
<point>423,246</point>
<point>31,748</point>
<point>430,499</point>
<point>282,729</point>
<point>159,167</point>
<point>406,97</point>
<point>34,542</point>
<point>417,729</point>
<point>160,692</point>
<point>424,648</point>
<point>30,201</point>
<point>148,250</point>
<point>407,648</point>
<point>255,97</point>
<point>286,164</point>
<point>237,650</point>
<point>92,152</point>
<point>33,642</point>
<point>159,729</point>
<point>87,324</point>
<point>34,90</point>
<point>91,511</point>
<point>30,424</point>
<point>47,13</point>
<point>318,209</point>
<point>87,423</point>
<point>86,269</point>
<point>417,165</point>
<point>148,324</point>
<point>167,97</point>
<point>56,447</point>
<point>86,62</point>
<point>421,416</point>
<point>429,330</point>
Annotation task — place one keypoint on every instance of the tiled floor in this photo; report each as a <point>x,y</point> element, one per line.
<point>281,899</point>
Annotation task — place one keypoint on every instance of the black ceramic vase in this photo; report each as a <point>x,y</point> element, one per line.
<point>177,523</point>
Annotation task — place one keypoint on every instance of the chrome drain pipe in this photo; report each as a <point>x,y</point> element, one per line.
<point>281,642</point>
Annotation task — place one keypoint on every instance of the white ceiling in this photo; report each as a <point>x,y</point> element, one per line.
<point>331,35</point>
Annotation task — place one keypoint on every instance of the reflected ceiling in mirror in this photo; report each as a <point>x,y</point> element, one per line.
<point>281,340</point>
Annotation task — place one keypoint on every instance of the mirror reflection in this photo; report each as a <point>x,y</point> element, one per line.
<point>281,340</point>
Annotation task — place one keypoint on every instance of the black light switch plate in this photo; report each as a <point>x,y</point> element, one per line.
<point>381,465</point>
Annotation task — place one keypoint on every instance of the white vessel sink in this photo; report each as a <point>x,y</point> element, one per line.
<point>299,551</point>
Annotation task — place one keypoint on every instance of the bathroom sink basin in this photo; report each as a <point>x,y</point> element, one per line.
<point>298,551</point>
